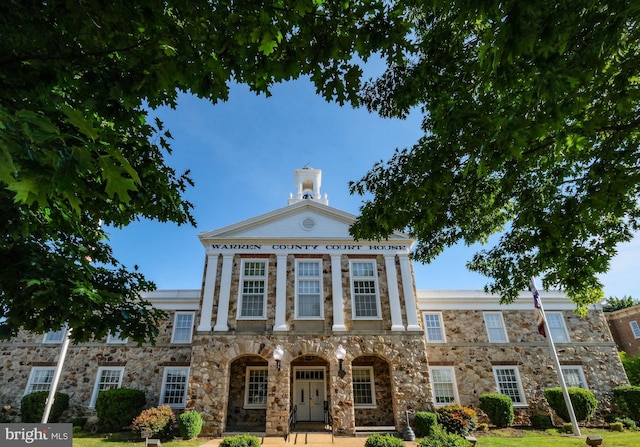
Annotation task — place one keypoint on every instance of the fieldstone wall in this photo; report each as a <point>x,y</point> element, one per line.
<point>382,414</point>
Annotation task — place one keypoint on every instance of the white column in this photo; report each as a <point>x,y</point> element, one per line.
<point>225,291</point>
<point>409,296</point>
<point>207,294</point>
<point>336,289</point>
<point>394,295</point>
<point>280,323</point>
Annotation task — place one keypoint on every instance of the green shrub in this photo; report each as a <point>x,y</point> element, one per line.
<point>116,408</point>
<point>378,440</point>
<point>190,424</point>
<point>616,426</point>
<point>567,427</point>
<point>440,438</point>
<point>32,406</point>
<point>424,422</point>
<point>457,419</point>
<point>240,441</point>
<point>631,365</point>
<point>540,421</point>
<point>158,420</point>
<point>499,409</point>
<point>583,401</point>
<point>628,423</point>
<point>627,400</point>
<point>79,421</point>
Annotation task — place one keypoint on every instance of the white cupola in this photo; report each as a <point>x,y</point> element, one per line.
<point>307,181</point>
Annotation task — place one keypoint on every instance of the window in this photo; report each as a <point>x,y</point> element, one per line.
<point>434,328</point>
<point>255,393</point>
<point>558,330</point>
<point>444,385</point>
<point>508,382</point>
<point>363,387</point>
<point>40,379</point>
<point>364,290</point>
<point>116,338</point>
<point>253,290</point>
<point>108,378</point>
<point>54,336</point>
<point>182,327</point>
<point>495,327</point>
<point>635,329</point>
<point>174,387</point>
<point>308,286</point>
<point>574,376</point>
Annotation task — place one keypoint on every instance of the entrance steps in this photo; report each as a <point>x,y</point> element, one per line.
<point>310,439</point>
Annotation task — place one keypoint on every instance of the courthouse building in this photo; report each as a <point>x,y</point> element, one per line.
<point>297,319</point>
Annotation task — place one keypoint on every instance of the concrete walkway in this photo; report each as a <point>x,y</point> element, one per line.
<point>310,440</point>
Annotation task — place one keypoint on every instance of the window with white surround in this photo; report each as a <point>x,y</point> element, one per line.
<point>108,378</point>
<point>255,393</point>
<point>434,329</point>
<point>54,336</point>
<point>495,327</point>
<point>174,387</point>
<point>364,393</point>
<point>364,289</point>
<point>574,376</point>
<point>253,290</point>
<point>116,338</point>
<point>40,379</point>
<point>309,303</point>
<point>635,329</point>
<point>182,327</point>
<point>558,329</point>
<point>443,383</point>
<point>508,382</point>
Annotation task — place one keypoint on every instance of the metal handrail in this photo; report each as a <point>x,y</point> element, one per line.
<point>293,418</point>
<point>328,420</point>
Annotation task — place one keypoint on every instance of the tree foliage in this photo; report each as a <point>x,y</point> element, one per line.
<point>79,148</point>
<point>531,131</point>
<point>614,303</point>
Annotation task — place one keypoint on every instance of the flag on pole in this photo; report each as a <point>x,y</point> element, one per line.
<point>538,306</point>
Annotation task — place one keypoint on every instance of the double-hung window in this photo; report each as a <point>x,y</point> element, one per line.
<point>364,290</point>
<point>54,337</point>
<point>108,378</point>
<point>116,338</point>
<point>508,383</point>
<point>253,290</point>
<point>635,328</point>
<point>558,329</point>
<point>443,382</point>
<point>433,327</point>
<point>255,393</point>
<point>182,327</point>
<point>495,327</point>
<point>574,376</point>
<point>364,395</point>
<point>39,379</point>
<point>174,387</point>
<point>309,302</point>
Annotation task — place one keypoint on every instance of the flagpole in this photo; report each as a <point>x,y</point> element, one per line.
<point>552,347</point>
<point>56,376</point>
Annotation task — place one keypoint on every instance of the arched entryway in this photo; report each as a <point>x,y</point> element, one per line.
<point>372,392</point>
<point>309,389</point>
<point>248,387</point>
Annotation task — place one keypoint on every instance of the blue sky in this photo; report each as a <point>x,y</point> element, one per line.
<point>242,155</point>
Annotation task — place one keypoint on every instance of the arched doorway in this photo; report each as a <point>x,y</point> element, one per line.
<point>309,388</point>
<point>247,408</point>
<point>372,392</point>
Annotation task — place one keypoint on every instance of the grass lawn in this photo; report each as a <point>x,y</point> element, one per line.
<point>123,439</point>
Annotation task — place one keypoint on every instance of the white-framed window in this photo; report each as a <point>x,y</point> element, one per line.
<point>116,338</point>
<point>508,382</point>
<point>182,327</point>
<point>309,302</point>
<point>443,383</point>
<point>256,382</point>
<point>253,290</point>
<point>495,327</point>
<point>433,327</point>
<point>364,290</point>
<point>108,378</point>
<point>574,376</point>
<point>174,386</point>
<point>364,392</point>
<point>40,379</point>
<point>635,329</point>
<point>54,337</point>
<point>558,329</point>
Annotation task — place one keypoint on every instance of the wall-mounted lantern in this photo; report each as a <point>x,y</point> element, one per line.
<point>341,353</point>
<point>278,353</point>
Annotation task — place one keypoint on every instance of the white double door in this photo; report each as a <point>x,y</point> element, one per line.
<point>309,394</point>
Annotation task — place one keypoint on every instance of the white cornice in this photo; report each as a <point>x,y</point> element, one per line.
<point>184,299</point>
<point>479,300</point>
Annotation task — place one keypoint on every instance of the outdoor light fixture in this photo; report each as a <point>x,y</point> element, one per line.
<point>277,354</point>
<point>341,353</point>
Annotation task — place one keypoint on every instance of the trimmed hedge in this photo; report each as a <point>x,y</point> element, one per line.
<point>379,440</point>
<point>627,400</point>
<point>240,441</point>
<point>32,406</point>
<point>457,419</point>
<point>541,421</point>
<point>499,409</point>
<point>583,401</point>
<point>118,407</point>
<point>425,423</point>
<point>190,424</point>
<point>440,438</point>
<point>158,420</point>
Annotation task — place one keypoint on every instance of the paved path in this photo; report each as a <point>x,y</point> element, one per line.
<point>310,440</point>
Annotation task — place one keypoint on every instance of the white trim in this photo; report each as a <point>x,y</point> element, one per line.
<point>521,394</point>
<point>164,386</point>
<point>372,382</point>
<point>505,338</point>
<point>479,300</point>
<point>34,370</point>
<point>317,262</point>
<point>49,338</point>
<point>559,334</point>
<point>454,385</point>
<point>244,278</point>
<point>374,278</point>
<point>426,327</point>
<point>115,339</point>
<point>175,328</point>
<point>247,405</point>
<point>96,385</point>
<point>580,372</point>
